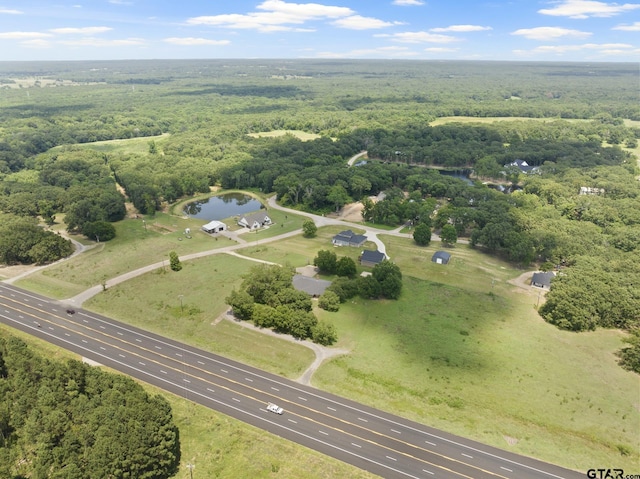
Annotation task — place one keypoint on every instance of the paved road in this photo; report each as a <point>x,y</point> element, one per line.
<point>381,443</point>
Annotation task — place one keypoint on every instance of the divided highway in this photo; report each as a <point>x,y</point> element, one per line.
<point>381,443</point>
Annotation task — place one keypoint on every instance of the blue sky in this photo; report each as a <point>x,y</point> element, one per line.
<point>532,30</point>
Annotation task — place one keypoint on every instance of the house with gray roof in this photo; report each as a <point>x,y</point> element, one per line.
<point>348,238</point>
<point>255,220</point>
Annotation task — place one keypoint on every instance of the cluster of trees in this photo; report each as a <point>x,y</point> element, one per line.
<point>267,298</point>
<point>76,182</point>
<point>22,241</point>
<point>70,420</point>
<point>385,281</point>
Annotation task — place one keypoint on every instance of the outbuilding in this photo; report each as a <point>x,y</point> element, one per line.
<point>312,286</point>
<point>371,258</point>
<point>542,279</point>
<point>213,227</point>
<point>441,257</point>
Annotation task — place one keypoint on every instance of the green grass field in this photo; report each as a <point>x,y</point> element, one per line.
<point>128,146</point>
<point>463,349</point>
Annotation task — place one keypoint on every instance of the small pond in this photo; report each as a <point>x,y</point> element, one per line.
<point>222,206</point>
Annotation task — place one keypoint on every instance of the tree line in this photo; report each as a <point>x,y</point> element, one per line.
<point>68,420</point>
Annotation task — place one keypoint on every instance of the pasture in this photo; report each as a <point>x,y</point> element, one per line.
<point>463,349</point>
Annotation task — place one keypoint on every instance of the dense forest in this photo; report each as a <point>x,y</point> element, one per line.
<point>573,124</point>
<point>70,420</point>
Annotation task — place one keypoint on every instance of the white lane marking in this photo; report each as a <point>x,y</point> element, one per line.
<point>362,419</point>
<point>120,333</point>
<point>236,399</point>
<point>200,362</point>
<point>428,472</point>
<point>84,340</point>
<point>224,371</point>
<point>163,371</point>
<point>21,317</point>
<point>211,390</point>
<point>397,432</point>
<point>158,347</point>
<point>179,355</point>
<point>249,379</point>
<point>186,380</point>
<point>356,445</point>
<point>467,455</point>
<point>139,340</point>
<point>291,420</point>
<point>50,328</point>
<point>301,398</point>
<point>392,458</point>
<point>325,433</point>
<point>331,408</point>
<point>432,443</point>
<point>85,321</point>
<point>275,389</point>
<point>141,363</point>
<point>103,348</point>
<point>102,327</point>
<point>122,355</point>
<point>508,470</point>
<point>67,334</point>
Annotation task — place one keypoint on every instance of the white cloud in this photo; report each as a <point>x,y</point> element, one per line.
<point>419,37</point>
<point>407,3</point>
<point>81,31</point>
<point>9,11</point>
<point>190,41</point>
<point>599,48</point>
<point>461,28</point>
<point>634,27</point>
<point>384,52</point>
<point>276,16</point>
<point>36,43</point>
<point>23,35</point>
<point>441,50</point>
<point>581,9</point>
<point>100,42</point>
<point>121,2</point>
<point>550,33</point>
<point>357,22</point>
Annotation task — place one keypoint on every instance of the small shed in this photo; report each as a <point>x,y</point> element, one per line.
<point>371,258</point>
<point>441,257</point>
<point>312,286</point>
<point>212,227</point>
<point>542,280</point>
<point>348,238</point>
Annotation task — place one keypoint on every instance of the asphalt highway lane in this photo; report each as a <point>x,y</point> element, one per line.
<point>384,444</point>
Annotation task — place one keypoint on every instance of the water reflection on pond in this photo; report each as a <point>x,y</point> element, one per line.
<point>222,206</point>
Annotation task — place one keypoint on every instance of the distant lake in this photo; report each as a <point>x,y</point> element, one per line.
<point>223,206</point>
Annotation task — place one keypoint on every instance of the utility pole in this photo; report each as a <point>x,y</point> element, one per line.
<point>190,467</point>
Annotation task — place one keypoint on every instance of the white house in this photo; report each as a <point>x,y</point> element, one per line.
<point>255,221</point>
<point>214,227</point>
